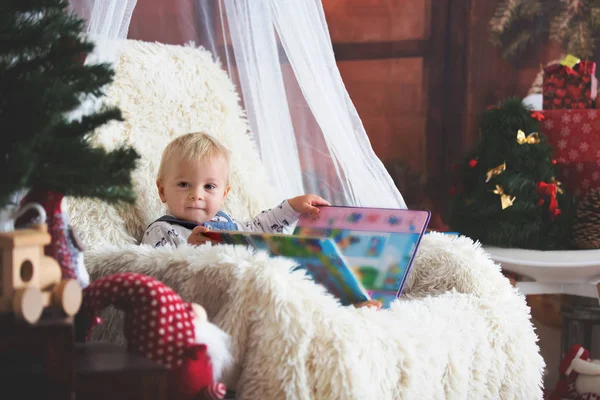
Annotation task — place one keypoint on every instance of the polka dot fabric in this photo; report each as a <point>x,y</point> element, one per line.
<point>158,323</point>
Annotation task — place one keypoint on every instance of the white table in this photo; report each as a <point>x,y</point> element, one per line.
<point>575,272</point>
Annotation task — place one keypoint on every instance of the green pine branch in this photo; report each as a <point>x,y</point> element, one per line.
<point>519,24</point>
<point>42,80</point>
<point>503,18</point>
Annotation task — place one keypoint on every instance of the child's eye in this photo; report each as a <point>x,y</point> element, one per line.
<point>210,186</point>
<point>183,184</point>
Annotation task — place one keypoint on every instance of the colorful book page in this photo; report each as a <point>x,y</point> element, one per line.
<point>378,244</point>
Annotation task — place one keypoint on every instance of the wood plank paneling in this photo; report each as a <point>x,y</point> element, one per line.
<point>445,83</point>
<point>375,20</point>
<point>490,77</point>
<point>388,97</point>
<point>171,22</point>
<point>529,67</point>
<point>379,50</point>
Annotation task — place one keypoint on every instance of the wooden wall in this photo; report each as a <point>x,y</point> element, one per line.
<point>386,90</point>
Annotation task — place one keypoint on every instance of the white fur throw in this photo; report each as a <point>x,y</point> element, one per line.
<point>460,332</point>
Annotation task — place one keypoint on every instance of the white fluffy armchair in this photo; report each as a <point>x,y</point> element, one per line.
<point>459,332</point>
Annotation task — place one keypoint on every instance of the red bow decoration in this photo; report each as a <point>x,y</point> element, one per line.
<point>571,71</point>
<point>549,189</point>
<point>537,115</point>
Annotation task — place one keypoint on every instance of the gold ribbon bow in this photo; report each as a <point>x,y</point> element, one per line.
<point>495,171</point>
<point>570,61</point>
<point>558,183</point>
<point>506,200</point>
<point>532,138</point>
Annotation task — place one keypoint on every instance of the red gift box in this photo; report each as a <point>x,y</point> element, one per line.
<point>570,88</point>
<point>575,136</point>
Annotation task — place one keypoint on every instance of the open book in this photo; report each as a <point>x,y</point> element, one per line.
<point>356,253</point>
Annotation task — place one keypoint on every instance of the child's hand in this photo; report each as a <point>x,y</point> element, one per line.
<point>305,204</point>
<point>196,237</point>
<point>370,303</point>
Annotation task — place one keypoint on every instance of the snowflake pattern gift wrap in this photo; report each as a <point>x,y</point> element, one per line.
<point>569,85</point>
<point>575,136</point>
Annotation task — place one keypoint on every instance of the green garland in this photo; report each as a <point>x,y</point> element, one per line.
<point>519,24</point>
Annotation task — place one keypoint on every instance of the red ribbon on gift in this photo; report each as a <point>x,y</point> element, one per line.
<point>549,189</point>
<point>580,69</point>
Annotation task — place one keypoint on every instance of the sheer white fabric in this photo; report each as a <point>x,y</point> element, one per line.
<point>331,145</point>
<point>257,61</point>
<point>309,134</point>
<point>305,37</point>
<point>107,23</point>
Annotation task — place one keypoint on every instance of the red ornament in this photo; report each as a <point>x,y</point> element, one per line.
<point>473,163</point>
<point>554,162</point>
<point>454,190</point>
<point>537,116</point>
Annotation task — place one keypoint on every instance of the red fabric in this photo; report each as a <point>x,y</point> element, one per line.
<point>58,247</point>
<point>566,88</point>
<point>565,389</point>
<point>575,136</point>
<point>568,359</point>
<point>193,376</point>
<point>158,325</point>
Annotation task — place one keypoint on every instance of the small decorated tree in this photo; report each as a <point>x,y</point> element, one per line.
<point>507,194</point>
<point>42,81</point>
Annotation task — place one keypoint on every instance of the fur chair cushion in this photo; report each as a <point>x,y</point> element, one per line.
<point>460,331</point>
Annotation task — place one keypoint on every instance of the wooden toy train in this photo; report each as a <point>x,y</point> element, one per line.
<point>31,281</point>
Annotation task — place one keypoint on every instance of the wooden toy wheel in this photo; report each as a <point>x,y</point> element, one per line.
<point>28,304</point>
<point>68,295</point>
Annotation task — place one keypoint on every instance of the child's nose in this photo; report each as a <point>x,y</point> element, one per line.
<point>197,195</point>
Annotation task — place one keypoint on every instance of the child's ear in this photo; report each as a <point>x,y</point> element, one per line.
<point>226,192</point>
<point>161,191</point>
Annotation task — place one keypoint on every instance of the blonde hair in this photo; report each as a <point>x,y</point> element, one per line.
<point>190,147</point>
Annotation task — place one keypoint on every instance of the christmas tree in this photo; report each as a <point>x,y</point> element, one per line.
<point>43,79</point>
<point>517,24</point>
<point>507,194</point>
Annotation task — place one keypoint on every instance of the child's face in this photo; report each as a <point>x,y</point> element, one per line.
<point>195,190</point>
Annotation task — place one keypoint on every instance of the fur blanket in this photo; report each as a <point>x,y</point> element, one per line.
<point>459,332</point>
